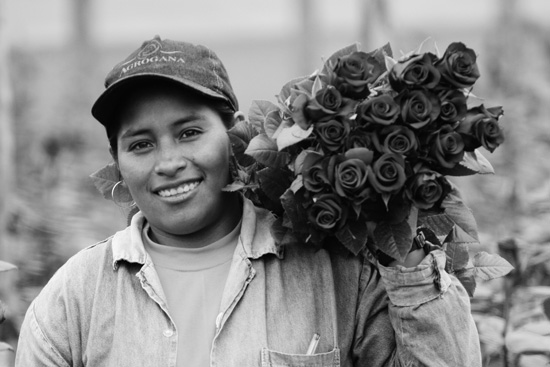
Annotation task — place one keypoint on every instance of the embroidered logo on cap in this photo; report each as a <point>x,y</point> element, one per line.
<point>152,53</point>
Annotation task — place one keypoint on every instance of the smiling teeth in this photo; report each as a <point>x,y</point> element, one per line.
<point>178,190</point>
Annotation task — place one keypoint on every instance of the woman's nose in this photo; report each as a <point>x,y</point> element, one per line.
<point>170,161</point>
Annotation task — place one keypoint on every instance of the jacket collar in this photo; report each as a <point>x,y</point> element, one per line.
<point>255,237</point>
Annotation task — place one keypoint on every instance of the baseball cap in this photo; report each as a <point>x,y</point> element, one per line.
<point>194,66</point>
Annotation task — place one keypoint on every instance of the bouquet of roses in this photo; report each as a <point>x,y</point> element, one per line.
<point>356,155</point>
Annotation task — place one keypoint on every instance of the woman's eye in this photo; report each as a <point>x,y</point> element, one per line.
<point>190,133</point>
<point>140,145</point>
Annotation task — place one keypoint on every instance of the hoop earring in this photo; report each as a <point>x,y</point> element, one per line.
<point>124,204</point>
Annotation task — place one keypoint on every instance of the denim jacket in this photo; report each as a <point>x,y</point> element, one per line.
<point>106,307</point>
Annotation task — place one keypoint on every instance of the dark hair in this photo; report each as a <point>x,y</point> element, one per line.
<point>225,111</point>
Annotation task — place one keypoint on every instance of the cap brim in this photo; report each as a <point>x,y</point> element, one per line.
<point>104,106</point>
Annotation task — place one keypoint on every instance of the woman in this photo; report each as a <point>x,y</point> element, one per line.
<point>197,279</point>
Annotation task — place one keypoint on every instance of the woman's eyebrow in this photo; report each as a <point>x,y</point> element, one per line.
<point>133,132</point>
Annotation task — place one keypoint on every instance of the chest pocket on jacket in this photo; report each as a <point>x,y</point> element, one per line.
<point>276,359</point>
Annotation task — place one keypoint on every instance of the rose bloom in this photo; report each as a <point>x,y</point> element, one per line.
<point>453,105</point>
<point>395,139</point>
<point>417,71</point>
<point>387,174</point>
<point>359,139</point>
<point>458,66</point>
<point>332,134</point>
<point>326,102</point>
<point>447,147</point>
<point>480,128</point>
<point>350,175</point>
<point>327,212</point>
<point>427,189</point>
<point>314,171</point>
<point>354,72</point>
<point>381,110</point>
<point>418,107</point>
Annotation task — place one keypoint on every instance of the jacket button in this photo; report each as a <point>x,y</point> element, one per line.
<point>168,333</point>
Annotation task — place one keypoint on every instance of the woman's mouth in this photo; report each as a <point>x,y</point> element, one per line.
<point>179,190</point>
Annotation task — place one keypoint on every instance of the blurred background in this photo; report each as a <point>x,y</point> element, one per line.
<point>55,54</point>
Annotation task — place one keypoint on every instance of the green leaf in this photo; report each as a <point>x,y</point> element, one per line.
<point>282,235</point>
<point>297,184</point>
<point>460,214</point>
<point>394,240</point>
<point>286,91</point>
<point>457,256</point>
<point>105,179</point>
<point>296,214</point>
<point>264,150</point>
<point>354,236</point>
<point>468,280</point>
<point>240,136</point>
<point>5,266</point>
<point>273,124</point>
<point>472,163</point>
<point>440,224</point>
<point>490,266</point>
<point>274,182</point>
<point>259,110</point>
<point>292,135</point>
<point>238,186</point>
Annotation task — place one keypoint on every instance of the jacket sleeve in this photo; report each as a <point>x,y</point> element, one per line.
<point>44,338</point>
<point>422,314</point>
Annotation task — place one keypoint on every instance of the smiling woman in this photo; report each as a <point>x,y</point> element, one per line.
<point>198,279</point>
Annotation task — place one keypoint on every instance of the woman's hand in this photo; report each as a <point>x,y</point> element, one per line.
<point>413,259</point>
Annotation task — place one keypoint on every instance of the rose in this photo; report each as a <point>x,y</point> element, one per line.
<point>447,147</point>
<point>314,170</point>
<point>458,66</point>
<point>387,174</point>
<point>418,107</point>
<point>416,71</point>
<point>426,188</point>
<point>453,105</point>
<point>327,212</point>
<point>395,139</point>
<point>359,139</point>
<point>382,110</point>
<point>350,175</point>
<point>327,102</point>
<point>332,134</point>
<point>480,128</point>
<point>354,72</point>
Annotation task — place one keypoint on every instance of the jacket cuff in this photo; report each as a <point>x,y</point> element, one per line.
<point>420,284</point>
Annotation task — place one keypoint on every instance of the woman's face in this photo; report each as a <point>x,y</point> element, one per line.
<point>173,153</point>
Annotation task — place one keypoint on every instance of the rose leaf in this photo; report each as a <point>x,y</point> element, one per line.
<point>394,239</point>
<point>296,214</point>
<point>105,179</point>
<point>467,278</point>
<point>264,150</point>
<point>297,184</point>
<point>286,90</point>
<point>457,256</point>
<point>390,62</point>
<point>274,182</point>
<point>292,135</point>
<point>272,123</point>
<point>440,224</point>
<point>240,136</point>
<point>472,163</point>
<point>460,214</point>
<point>283,236</point>
<point>259,110</point>
<point>353,236</point>
<point>490,266</point>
